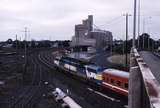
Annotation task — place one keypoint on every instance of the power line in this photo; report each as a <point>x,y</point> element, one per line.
<point>115,19</point>
<point>111,22</point>
<point>96,26</point>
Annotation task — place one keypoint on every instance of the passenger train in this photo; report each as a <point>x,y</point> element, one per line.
<point>116,81</point>
<point>112,79</point>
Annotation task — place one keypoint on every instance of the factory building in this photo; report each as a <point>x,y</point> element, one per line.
<point>86,36</point>
<point>103,38</point>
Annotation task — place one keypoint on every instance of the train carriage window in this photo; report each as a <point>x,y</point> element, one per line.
<point>107,79</point>
<point>112,81</point>
<point>118,83</point>
<point>126,85</point>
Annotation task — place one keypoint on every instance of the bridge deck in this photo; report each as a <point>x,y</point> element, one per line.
<point>153,62</point>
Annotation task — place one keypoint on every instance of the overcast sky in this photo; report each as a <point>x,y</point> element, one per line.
<point>55,19</point>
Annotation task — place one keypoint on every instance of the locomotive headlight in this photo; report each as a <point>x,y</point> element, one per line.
<point>99,76</point>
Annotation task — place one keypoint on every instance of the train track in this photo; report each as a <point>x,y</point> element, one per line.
<point>30,96</point>
<point>24,99</point>
<point>33,91</point>
<point>83,93</point>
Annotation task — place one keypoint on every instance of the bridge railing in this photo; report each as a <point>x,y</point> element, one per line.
<point>144,90</point>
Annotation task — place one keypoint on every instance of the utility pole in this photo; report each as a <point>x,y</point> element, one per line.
<point>139,12</point>
<point>134,23</point>
<point>148,42</point>
<point>111,46</point>
<point>16,42</point>
<point>127,39</point>
<point>149,47</point>
<point>25,50</point>
<point>143,32</point>
<point>25,45</point>
<point>153,45</point>
<point>126,44</point>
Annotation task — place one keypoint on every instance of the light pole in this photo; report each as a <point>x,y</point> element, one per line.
<point>126,45</point>
<point>16,43</point>
<point>139,12</point>
<point>25,51</point>
<point>25,45</point>
<point>134,23</point>
<point>144,30</point>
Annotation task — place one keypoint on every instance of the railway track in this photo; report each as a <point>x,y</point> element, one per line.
<point>27,98</point>
<point>23,100</point>
<point>81,92</point>
<point>29,95</point>
<point>43,70</point>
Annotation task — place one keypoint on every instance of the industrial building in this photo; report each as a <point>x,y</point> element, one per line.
<point>87,36</point>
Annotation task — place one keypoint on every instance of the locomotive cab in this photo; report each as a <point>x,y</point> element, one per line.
<point>94,73</point>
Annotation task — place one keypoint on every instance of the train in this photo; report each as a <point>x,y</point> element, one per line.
<point>109,79</point>
<point>116,81</point>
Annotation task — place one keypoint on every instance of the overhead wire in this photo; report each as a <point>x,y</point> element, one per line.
<point>110,22</point>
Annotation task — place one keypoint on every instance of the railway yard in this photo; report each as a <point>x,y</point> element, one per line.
<point>31,87</point>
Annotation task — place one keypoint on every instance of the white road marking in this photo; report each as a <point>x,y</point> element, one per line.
<point>99,93</point>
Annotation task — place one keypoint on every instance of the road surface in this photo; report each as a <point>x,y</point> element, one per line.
<point>153,62</point>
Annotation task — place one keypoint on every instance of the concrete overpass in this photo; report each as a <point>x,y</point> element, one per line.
<point>144,82</point>
<point>153,62</point>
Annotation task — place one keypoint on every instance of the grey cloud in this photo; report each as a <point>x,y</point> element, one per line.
<point>56,18</point>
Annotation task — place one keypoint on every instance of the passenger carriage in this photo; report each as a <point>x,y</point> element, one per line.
<point>116,81</point>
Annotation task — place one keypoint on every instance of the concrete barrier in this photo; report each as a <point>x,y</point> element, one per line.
<point>144,90</point>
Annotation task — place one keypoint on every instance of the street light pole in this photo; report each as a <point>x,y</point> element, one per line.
<point>16,42</point>
<point>143,32</point>
<point>134,23</point>
<point>139,12</point>
<point>25,45</point>
<point>25,51</point>
<point>126,45</point>
<point>126,39</point>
